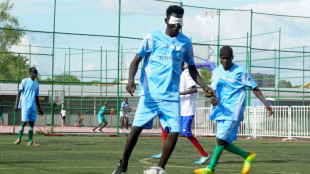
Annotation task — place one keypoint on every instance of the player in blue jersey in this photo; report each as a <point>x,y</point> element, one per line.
<point>229,82</point>
<point>162,53</point>
<point>27,99</point>
<point>101,117</point>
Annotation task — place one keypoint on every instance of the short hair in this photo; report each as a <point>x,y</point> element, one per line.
<point>174,9</point>
<point>227,50</point>
<point>32,68</point>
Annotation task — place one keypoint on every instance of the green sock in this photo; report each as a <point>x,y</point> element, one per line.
<point>236,150</point>
<point>30,131</point>
<point>21,131</point>
<point>216,156</point>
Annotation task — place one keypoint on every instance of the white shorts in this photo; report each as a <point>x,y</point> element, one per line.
<point>123,114</point>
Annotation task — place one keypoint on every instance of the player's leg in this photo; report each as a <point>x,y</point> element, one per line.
<point>32,120</point>
<point>144,115</point>
<point>164,136</point>
<point>186,130</point>
<point>126,118</point>
<point>168,148</point>
<point>25,119</point>
<point>104,123</point>
<point>122,123</point>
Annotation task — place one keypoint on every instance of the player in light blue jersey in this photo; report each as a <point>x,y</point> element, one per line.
<point>162,53</point>
<point>230,81</point>
<point>101,117</point>
<point>27,100</point>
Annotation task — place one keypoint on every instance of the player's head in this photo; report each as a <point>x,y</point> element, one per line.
<point>226,57</point>
<point>33,72</point>
<point>174,20</point>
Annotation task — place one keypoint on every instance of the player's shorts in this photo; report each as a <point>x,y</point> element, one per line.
<point>1,116</point>
<point>186,125</point>
<point>227,130</point>
<point>123,114</point>
<point>101,119</point>
<point>29,115</point>
<point>167,111</point>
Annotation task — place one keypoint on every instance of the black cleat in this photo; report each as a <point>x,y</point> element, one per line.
<point>121,168</point>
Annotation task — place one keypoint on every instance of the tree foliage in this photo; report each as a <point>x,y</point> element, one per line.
<point>285,84</point>
<point>61,78</point>
<point>10,35</point>
<point>205,75</point>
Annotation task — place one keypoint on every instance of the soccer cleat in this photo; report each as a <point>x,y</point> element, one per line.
<point>157,156</point>
<point>248,163</point>
<point>33,144</point>
<point>121,168</point>
<point>100,130</point>
<point>203,159</point>
<point>121,130</point>
<point>204,171</point>
<point>93,130</point>
<point>17,142</point>
<point>127,131</point>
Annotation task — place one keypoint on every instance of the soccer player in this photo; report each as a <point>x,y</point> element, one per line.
<point>101,117</point>
<point>80,119</point>
<point>229,82</point>
<point>27,99</point>
<point>63,117</point>
<point>188,107</point>
<point>163,53</point>
<point>124,113</point>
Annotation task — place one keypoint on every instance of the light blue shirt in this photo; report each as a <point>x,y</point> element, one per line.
<point>102,109</point>
<point>30,89</point>
<point>163,55</point>
<point>124,105</point>
<point>230,88</point>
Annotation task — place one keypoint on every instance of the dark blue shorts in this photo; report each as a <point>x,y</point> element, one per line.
<point>186,124</point>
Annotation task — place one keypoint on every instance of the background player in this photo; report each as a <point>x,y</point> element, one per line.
<point>230,81</point>
<point>188,108</point>
<point>27,99</point>
<point>63,113</point>
<point>163,53</point>
<point>101,117</point>
<point>124,113</point>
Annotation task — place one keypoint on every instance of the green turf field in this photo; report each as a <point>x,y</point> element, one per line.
<point>81,154</point>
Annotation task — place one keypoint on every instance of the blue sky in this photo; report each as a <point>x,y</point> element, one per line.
<point>142,16</point>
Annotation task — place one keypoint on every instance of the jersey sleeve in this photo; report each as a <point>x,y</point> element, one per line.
<point>22,85</point>
<point>189,55</point>
<point>248,81</point>
<point>146,46</point>
<point>215,79</point>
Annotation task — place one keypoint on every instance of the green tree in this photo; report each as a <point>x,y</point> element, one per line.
<point>285,84</point>
<point>61,78</point>
<point>10,35</point>
<point>205,75</point>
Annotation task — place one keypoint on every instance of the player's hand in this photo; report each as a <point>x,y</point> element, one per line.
<point>270,111</point>
<point>209,92</point>
<point>40,112</point>
<point>131,87</point>
<point>214,101</point>
<point>15,108</point>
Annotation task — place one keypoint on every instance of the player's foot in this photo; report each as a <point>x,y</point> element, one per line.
<point>93,130</point>
<point>100,130</point>
<point>248,163</point>
<point>157,156</point>
<point>204,171</point>
<point>121,130</point>
<point>127,131</point>
<point>17,142</point>
<point>33,144</point>
<point>203,159</point>
<point>121,168</point>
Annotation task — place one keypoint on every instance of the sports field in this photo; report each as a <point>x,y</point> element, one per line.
<point>100,154</point>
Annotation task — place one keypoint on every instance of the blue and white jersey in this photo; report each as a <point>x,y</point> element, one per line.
<point>163,55</point>
<point>30,89</point>
<point>230,89</point>
<point>100,113</point>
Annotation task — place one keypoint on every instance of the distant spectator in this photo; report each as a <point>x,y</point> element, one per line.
<point>80,120</point>
<point>124,113</point>
<point>1,114</point>
<point>63,116</point>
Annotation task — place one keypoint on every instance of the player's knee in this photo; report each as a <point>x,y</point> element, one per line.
<point>221,142</point>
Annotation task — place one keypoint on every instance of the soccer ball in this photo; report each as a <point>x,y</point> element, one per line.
<point>155,170</point>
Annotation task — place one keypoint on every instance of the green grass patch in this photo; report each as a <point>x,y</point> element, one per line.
<point>82,154</point>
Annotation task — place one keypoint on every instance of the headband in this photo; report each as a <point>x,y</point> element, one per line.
<point>174,20</point>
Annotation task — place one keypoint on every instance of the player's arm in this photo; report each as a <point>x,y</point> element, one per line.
<point>17,100</point>
<point>260,96</point>
<point>133,68</point>
<point>190,91</point>
<point>197,78</point>
<point>38,105</point>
